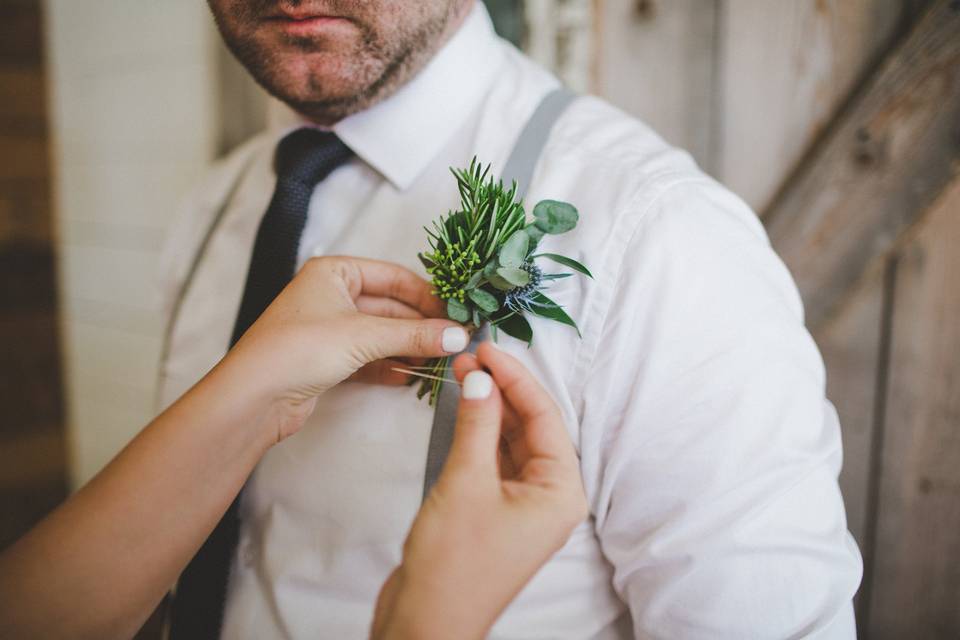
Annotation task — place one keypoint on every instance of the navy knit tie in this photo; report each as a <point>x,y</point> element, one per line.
<point>303,159</point>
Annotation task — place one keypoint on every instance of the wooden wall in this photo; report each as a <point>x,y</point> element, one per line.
<point>839,121</point>
<point>32,449</point>
<point>743,84</point>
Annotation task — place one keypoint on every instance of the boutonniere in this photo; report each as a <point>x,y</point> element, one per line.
<point>483,262</point>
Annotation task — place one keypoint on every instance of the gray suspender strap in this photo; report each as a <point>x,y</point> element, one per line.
<point>519,168</point>
<point>444,418</point>
<point>531,141</point>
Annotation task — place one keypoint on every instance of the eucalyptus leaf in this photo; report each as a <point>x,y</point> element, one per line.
<point>513,253</point>
<point>486,301</point>
<point>555,217</point>
<point>547,308</point>
<point>535,232</point>
<point>518,327</point>
<point>499,283</point>
<point>490,269</point>
<point>516,277</point>
<point>565,261</point>
<point>474,280</point>
<point>477,320</point>
<point>458,311</point>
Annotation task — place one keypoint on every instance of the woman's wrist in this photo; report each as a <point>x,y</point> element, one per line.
<point>257,371</point>
<point>231,397</point>
<point>425,609</point>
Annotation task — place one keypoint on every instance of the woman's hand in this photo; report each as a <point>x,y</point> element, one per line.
<point>339,318</point>
<point>118,544</point>
<point>506,501</point>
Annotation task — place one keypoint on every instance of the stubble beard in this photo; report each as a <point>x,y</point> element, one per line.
<point>377,68</point>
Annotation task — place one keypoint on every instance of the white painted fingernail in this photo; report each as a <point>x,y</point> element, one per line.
<point>454,339</point>
<point>477,385</point>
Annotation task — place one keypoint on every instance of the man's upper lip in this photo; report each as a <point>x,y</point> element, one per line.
<point>300,15</point>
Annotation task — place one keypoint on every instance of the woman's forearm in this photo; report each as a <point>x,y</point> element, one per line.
<point>99,564</point>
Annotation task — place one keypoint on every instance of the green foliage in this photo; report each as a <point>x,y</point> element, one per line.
<point>517,326</point>
<point>486,302</point>
<point>516,277</point>
<point>513,253</point>
<point>547,308</point>
<point>481,261</point>
<point>565,261</point>
<point>468,238</point>
<point>458,311</point>
<point>555,217</point>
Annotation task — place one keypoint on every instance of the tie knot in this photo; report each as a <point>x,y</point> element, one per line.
<point>308,155</point>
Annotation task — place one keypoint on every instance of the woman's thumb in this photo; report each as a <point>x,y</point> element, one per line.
<point>476,438</point>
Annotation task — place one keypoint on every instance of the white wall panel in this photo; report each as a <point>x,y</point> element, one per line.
<point>134,94</point>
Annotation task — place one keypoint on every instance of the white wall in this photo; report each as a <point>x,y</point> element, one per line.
<point>133,120</point>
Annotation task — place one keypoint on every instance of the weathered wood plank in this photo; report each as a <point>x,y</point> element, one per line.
<point>32,445</point>
<point>888,156</point>
<point>655,60</point>
<point>786,67</point>
<point>915,590</point>
<point>20,33</point>
<point>33,459</point>
<point>560,36</point>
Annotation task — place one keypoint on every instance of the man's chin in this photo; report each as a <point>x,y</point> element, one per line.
<point>317,88</point>
<point>322,107</point>
<point>321,77</point>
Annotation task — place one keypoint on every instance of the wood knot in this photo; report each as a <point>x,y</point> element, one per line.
<point>867,150</point>
<point>646,9</point>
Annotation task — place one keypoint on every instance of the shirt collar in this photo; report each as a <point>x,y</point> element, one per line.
<point>401,135</point>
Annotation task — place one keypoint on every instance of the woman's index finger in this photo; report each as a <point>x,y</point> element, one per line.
<point>388,280</point>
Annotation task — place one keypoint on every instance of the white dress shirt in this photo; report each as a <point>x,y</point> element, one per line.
<point>695,397</point>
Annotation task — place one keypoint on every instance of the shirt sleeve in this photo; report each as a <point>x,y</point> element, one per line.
<point>710,453</point>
